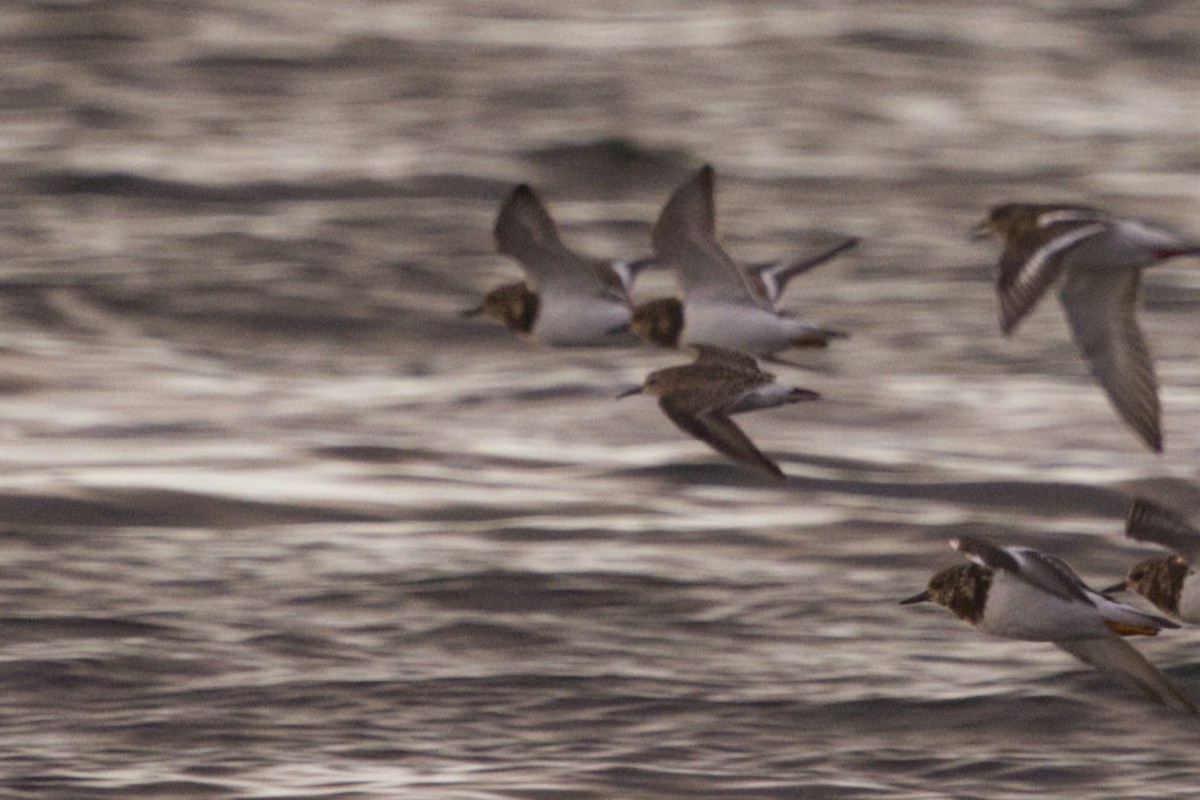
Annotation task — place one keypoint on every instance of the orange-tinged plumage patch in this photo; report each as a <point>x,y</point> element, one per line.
<point>1128,629</point>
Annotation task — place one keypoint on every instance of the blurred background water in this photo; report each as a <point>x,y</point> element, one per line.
<point>277,522</point>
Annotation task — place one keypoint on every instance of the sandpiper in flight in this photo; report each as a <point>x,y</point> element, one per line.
<point>1020,593</point>
<point>1098,258</point>
<point>701,396</point>
<point>567,298</point>
<point>722,304</point>
<point>1166,581</point>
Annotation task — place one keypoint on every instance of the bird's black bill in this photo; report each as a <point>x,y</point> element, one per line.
<point>1116,587</point>
<point>981,231</point>
<point>473,312</point>
<point>923,597</point>
<point>630,392</point>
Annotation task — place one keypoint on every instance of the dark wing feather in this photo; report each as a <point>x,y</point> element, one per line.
<point>985,553</point>
<point>719,432</point>
<point>1049,573</point>
<point>767,281</point>
<point>1031,262</point>
<point>525,232</point>
<point>690,210</point>
<point>736,359</point>
<point>684,237</point>
<point>1052,570</point>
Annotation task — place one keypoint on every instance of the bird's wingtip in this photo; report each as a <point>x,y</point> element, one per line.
<point>630,392</point>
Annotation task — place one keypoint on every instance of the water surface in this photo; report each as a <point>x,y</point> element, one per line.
<point>278,522</point>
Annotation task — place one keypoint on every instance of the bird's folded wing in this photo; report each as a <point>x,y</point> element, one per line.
<point>985,553</point>
<point>1047,573</point>
<point>1117,658</point>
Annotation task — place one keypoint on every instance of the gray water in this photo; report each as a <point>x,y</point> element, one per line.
<point>277,522</point>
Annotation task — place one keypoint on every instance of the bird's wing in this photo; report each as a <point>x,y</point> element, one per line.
<point>768,281</point>
<point>1053,575</point>
<point>736,359</point>
<point>684,237</point>
<point>1047,573</point>
<point>1117,658</point>
<point>619,276</point>
<point>719,432</point>
<point>525,232</point>
<point>691,207</point>
<point>1055,214</point>
<point>1030,264</point>
<point>1101,310</point>
<point>1150,522</point>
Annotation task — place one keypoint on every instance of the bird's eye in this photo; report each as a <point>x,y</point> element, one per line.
<point>1136,574</point>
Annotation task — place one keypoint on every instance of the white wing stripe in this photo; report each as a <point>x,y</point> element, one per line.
<point>1031,270</point>
<point>1048,218</point>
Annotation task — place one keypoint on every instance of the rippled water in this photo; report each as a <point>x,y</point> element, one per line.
<point>277,522</point>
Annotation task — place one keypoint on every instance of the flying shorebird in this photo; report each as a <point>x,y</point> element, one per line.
<point>722,305</point>
<point>1020,593</point>
<point>701,396</point>
<point>660,321</point>
<point>1097,259</point>
<point>1166,581</point>
<point>566,298</point>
